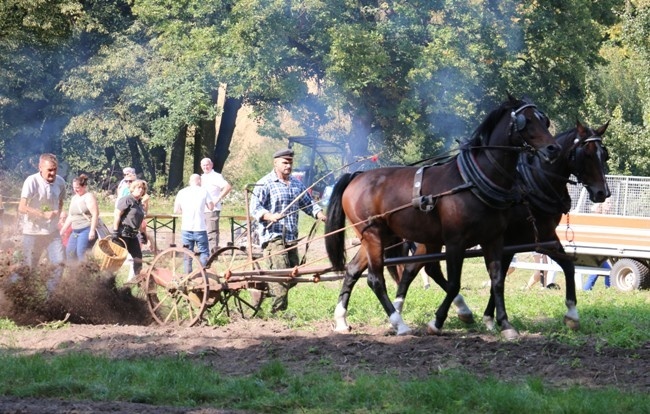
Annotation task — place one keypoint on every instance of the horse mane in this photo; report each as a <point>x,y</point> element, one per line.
<point>480,134</point>
<point>562,137</point>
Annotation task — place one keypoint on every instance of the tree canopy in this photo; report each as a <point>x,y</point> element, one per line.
<point>104,84</point>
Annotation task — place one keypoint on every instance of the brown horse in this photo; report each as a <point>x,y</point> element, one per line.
<point>583,155</point>
<point>458,204</point>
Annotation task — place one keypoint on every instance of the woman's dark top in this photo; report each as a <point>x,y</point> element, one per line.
<point>132,216</point>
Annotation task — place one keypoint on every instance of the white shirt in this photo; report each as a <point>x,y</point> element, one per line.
<point>43,196</point>
<point>214,183</point>
<point>192,202</point>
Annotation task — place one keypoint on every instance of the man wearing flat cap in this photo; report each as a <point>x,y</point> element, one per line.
<point>276,201</point>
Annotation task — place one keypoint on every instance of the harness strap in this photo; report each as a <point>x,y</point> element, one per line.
<point>540,191</point>
<point>418,201</point>
<point>485,189</point>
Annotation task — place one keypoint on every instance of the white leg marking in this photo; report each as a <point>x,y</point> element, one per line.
<point>431,328</point>
<point>399,304</point>
<point>463,311</point>
<point>340,314</point>
<point>571,318</point>
<point>489,322</point>
<point>399,325</point>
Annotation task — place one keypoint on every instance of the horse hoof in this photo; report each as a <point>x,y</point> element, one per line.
<point>572,324</point>
<point>489,323</point>
<point>510,334</point>
<point>405,330</point>
<point>432,330</point>
<point>342,328</point>
<point>467,318</point>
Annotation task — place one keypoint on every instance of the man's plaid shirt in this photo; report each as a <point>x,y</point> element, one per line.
<point>272,196</point>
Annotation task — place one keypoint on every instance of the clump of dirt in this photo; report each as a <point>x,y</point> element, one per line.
<point>84,295</point>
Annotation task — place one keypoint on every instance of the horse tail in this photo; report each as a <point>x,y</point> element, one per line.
<point>335,239</point>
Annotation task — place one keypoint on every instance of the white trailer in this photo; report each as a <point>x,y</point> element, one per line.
<point>619,233</point>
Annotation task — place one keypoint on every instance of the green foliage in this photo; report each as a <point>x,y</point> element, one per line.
<point>109,83</point>
<point>620,90</point>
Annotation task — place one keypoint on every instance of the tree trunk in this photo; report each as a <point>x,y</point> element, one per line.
<point>159,159</point>
<point>204,142</point>
<point>226,129</point>
<point>134,151</point>
<point>176,162</point>
<point>148,172</point>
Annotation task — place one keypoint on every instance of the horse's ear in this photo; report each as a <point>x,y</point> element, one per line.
<point>580,128</point>
<point>511,98</point>
<point>527,99</point>
<point>600,131</point>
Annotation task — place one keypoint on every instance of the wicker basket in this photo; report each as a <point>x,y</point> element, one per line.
<point>111,255</point>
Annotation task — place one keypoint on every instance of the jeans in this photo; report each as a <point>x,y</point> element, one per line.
<point>591,280</point>
<point>78,244</point>
<point>198,239</point>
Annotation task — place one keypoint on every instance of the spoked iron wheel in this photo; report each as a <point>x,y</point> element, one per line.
<point>244,302</point>
<point>175,294</point>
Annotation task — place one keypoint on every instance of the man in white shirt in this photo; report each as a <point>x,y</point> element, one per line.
<point>41,203</point>
<point>191,202</point>
<point>218,188</point>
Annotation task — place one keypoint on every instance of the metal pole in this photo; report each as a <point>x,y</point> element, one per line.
<point>436,257</point>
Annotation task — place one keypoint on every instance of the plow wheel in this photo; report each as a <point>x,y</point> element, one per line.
<point>244,300</point>
<point>176,295</point>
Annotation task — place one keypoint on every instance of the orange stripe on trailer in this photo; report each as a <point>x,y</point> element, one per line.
<point>607,230</point>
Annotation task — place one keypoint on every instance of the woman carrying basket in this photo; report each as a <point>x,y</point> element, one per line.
<point>129,214</point>
<point>83,216</point>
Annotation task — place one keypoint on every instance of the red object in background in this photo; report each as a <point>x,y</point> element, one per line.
<point>66,236</point>
<point>374,158</point>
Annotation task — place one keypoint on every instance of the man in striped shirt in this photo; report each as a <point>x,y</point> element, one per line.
<point>276,201</point>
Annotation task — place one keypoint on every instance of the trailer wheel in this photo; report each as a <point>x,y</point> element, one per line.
<point>629,274</point>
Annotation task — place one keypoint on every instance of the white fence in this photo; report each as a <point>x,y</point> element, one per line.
<point>630,196</point>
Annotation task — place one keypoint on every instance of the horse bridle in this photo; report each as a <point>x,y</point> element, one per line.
<point>518,121</point>
<point>517,124</point>
<point>577,153</point>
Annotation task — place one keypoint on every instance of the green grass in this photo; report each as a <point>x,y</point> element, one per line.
<point>179,382</point>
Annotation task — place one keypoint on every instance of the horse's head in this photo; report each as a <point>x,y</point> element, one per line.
<point>528,126</point>
<point>588,161</point>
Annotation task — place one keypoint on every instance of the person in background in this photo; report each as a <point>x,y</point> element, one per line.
<point>591,280</point>
<point>191,202</point>
<point>129,177</point>
<point>123,186</point>
<point>218,188</point>
<point>41,203</point>
<point>128,217</point>
<point>544,277</point>
<point>276,201</point>
<point>83,216</point>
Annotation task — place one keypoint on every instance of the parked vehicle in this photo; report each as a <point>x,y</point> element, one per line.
<point>617,230</point>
